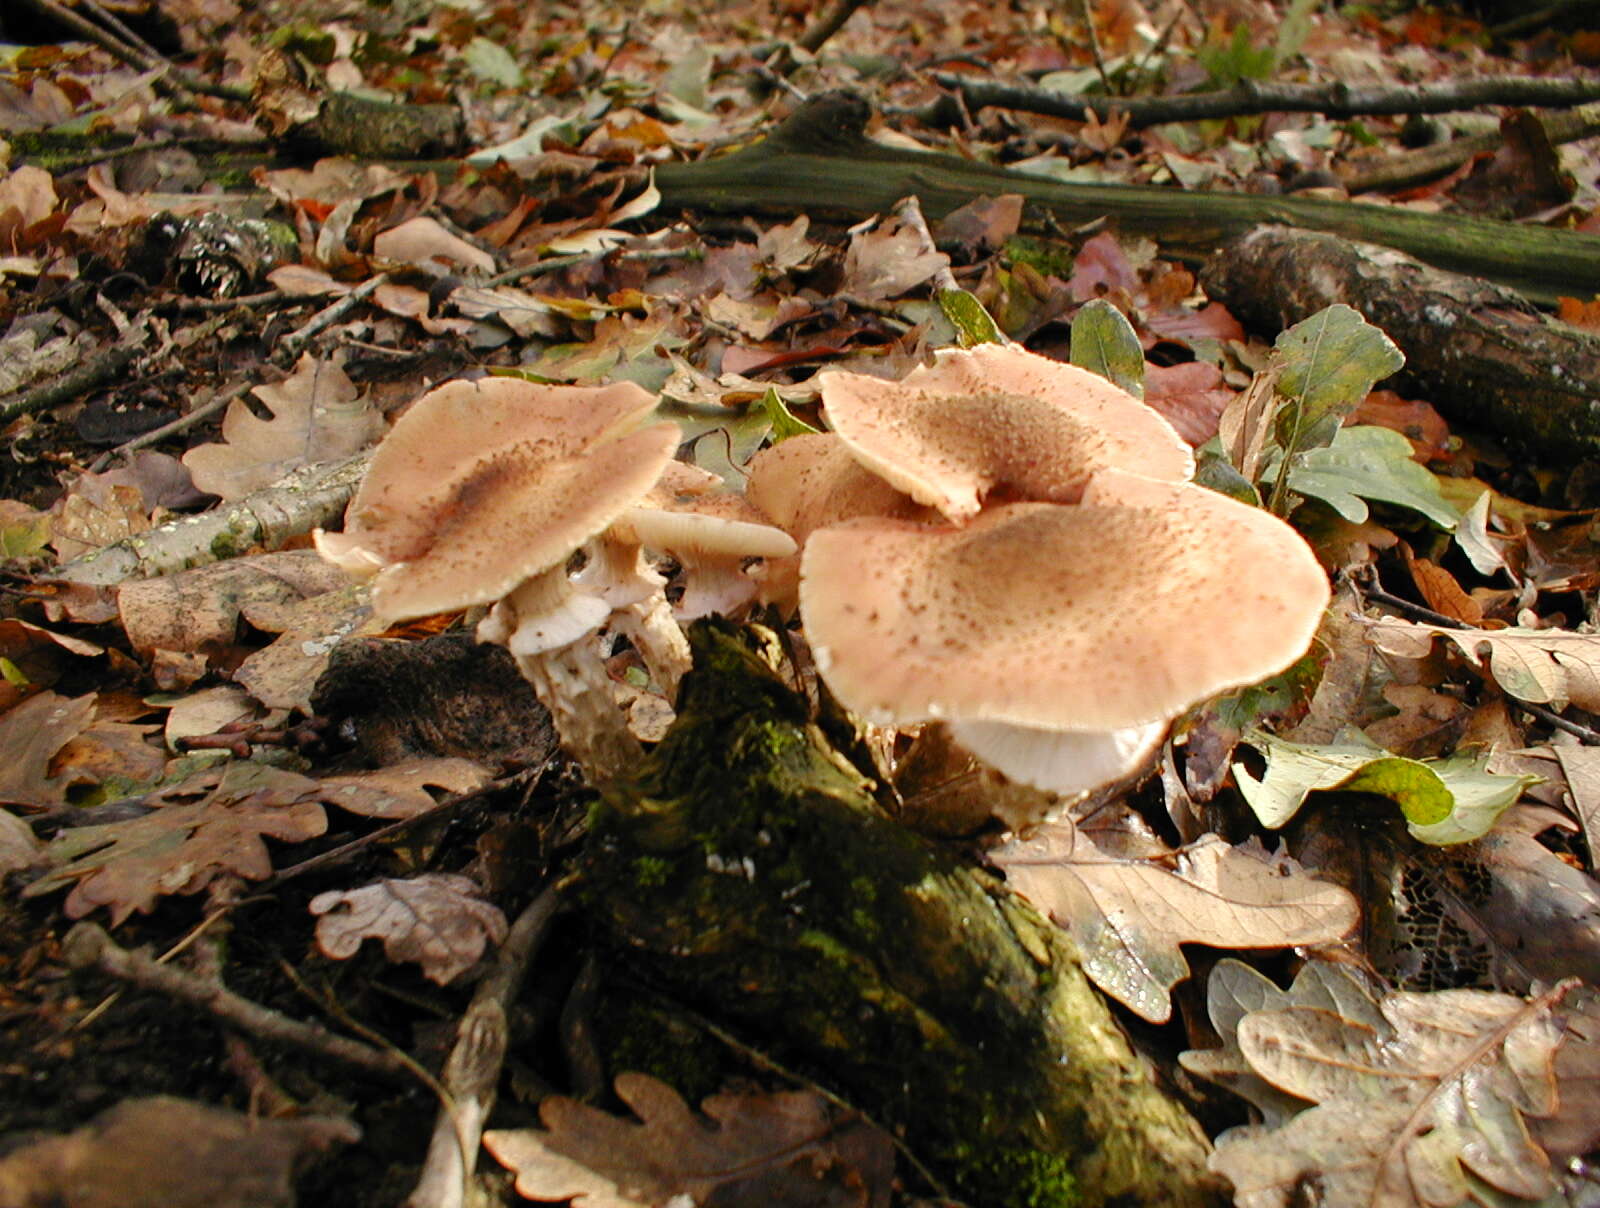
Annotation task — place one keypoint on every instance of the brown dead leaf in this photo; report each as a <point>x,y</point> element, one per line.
<point>401,789</point>
<point>423,241</point>
<point>1418,1096</point>
<point>887,261</point>
<point>1129,916</point>
<point>1553,667</point>
<point>1582,768</point>
<point>200,609</point>
<point>164,1152</point>
<point>283,675</point>
<point>783,1150</point>
<point>182,848</point>
<point>317,415</point>
<point>435,920</point>
<point>30,736</point>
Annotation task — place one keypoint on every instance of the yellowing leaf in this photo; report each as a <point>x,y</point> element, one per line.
<point>1444,801</point>
<point>316,416</point>
<point>1129,916</point>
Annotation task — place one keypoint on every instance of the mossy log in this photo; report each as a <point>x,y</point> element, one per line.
<point>821,163</point>
<point>1473,350</point>
<point>754,876</point>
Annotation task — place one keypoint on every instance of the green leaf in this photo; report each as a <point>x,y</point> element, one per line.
<point>1214,471</point>
<point>1104,342</point>
<point>1293,30</point>
<point>1327,364</point>
<point>492,63</point>
<point>974,325</point>
<point>784,422</point>
<point>1368,462</point>
<point>1444,801</point>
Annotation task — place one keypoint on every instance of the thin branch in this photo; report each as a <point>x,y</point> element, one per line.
<point>182,424</point>
<point>87,946</point>
<point>1250,97</point>
<point>828,24</point>
<point>325,318</point>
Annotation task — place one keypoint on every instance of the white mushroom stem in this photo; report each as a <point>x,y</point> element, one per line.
<point>548,628</point>
<point>618,573</point>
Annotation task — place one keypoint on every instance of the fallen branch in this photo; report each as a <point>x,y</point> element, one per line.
<point>828,24</point>
<point>820,161</point>
<point>87,946</point>
<point>1475,351</point>
<point>1249,97</point>
<point>304,499</point>
<point>755,877</point>
<point>1428,163</point>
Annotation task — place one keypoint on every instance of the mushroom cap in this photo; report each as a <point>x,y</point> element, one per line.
<point>998,418</point>
<point>708,526</point>
<point>813,480</point>
<point>1124,610</point>
<point>1066,762</point>
<point>481,485</point>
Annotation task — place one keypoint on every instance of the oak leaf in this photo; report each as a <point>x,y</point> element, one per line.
<point>1129,915</point>
<point>434,920</point>
<point>785,1150</point>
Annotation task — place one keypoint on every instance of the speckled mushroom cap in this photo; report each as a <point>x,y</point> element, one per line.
<point>481,485</point>
<point>1001,420</point>
<point>1143,599</point>
<point>809,481</point>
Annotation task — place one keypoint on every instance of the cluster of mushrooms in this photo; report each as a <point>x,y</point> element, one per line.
<point>999,542</point>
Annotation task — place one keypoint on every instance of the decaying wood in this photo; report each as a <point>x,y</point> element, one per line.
<point>820,162</point>
<point>754,876</point>
<point>1480,355</point>
<point>1247,97</point>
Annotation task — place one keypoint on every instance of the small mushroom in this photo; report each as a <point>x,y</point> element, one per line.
<point>1059,641</point>
<point>480,494</point>
<point>997,421</point>
<point>711,536</point>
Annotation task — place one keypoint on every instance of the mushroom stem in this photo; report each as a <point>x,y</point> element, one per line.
<point>657,636</point>
<point>549,629</point>
<point>618,572</point>
<point>572,683</point>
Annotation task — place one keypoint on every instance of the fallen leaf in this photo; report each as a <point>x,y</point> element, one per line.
<point>1421,1099</point>
<point>401,789</point>
<point>164,1152</point>
<point>1554,667</point>
<point>30,735</point>
<point>435,920</point>
<point>182,848</point>
<point>887,261</point>
<point>782,1150</point>
<point>1129,916</point>
<point>317,415</point>
<point>1444,801</point>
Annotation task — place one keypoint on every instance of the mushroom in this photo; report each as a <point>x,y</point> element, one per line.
<point>808,482</point>
<point>479,494</point>
<point>1059,641</point>
<point>711,536</point>
<point>997,420</point>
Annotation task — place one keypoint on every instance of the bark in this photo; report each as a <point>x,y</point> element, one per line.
<point>1247,97</point>
<point>755,877</point>
<point>1480,355</point>
<point>820,162</point>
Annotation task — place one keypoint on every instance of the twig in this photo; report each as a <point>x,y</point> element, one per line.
<point>1539,17</point>
<point>472,1071</point>
<point>87,946</point>
<point>1248,97</point>
<point>98,370</point>
<point>171,79</point>
<point>182,424</point>
<point>553,264</point>
<point>1087,14</point>
<point>828,24</point>
<point>1543,712</point>
<point>325,318</point>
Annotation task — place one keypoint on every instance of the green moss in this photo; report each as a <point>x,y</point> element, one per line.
<point>640,1035</point>
<point>1016,1178</point>
<point>651,872</point>
<point>1045,256</point>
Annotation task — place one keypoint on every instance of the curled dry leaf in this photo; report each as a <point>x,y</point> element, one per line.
<point>164,1152</point>
<point>1420,1099</point>
<point>401,789</point>
<point>1129,916</point>
<point>1554,667</point>
<point>785,1150</point>
<point>435,920</point>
